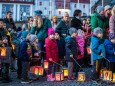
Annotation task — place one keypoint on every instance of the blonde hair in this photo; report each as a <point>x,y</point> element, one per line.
<point>113,10</point>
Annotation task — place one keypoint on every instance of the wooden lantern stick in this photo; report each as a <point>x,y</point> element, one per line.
<point>77,63</point>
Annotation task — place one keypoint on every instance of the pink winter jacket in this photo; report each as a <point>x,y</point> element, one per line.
<point>112,24</point>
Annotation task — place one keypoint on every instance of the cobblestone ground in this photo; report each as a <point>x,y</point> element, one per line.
<point>42,81</point>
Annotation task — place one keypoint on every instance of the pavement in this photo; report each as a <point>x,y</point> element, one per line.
<point>43,82</point>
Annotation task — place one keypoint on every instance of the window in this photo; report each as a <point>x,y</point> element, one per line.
<point>59,12</point>
<point>50,12</point>
<point>40,3</point>
<point>83,6</point>
<point>74,5</point>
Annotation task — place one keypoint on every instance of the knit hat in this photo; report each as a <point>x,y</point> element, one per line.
<point>111,36</point>
<point>97,31</point>
<point>38,12</point>
<point>33,38</point>
<point>107,7</point>
<point>72,30</point>
<point>99,9</point>
<point>51,31</point>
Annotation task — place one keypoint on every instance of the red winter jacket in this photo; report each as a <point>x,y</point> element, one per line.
<point>51,50</point>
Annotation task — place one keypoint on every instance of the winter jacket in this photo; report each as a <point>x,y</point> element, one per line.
<point>61,47</point>
<point>110,50</point>
<point>42,32</point>
<point>62,27</point>
<point>81,45</point>
<point>112,24</point>
<point>23,51</point>
<point>97,48</point>
<point>51,50</point>
<point>99,21</point>
<point>24,34</point>
<point>76,23</point>
<point>2,33</point>
<point>71,48</point>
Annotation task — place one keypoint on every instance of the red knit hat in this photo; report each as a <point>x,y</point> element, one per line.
<point>51,31</point>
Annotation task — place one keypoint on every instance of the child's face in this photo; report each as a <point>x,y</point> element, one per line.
<point>52,36</point>
<point>57,36</point>
<point>4,26</point>
<point>100,35</point>
<point>36,40</point>
<point>5,41</point>
<point>74,34</point>
<point>1,24</point>
<point>113,40</point>
<point>88,20</point>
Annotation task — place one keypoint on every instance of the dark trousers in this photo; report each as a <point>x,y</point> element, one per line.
<point>98,65</point>
<point>19,70</point>
<point>25,69</point>
<point>5,71</point>
<point>112,66</point>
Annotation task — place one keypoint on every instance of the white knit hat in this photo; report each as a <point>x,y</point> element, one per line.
<point>33,38</point>
<point>99,9</point>
<point>107,7</point>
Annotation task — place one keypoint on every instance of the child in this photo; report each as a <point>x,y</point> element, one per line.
<point>25,58</point>
<point>110,51</point>
<point>98,52</point>
<point>61,47</point>
<point>6,61</point>
<point>51,52</point>
<point>71,50</point>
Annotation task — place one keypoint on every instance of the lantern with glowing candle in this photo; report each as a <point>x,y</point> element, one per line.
<point>107,75</point>
<point>46,64</point>
<point>13,46</point>
<point>113,80</point>
<point>2,52</point>
<point>89,50</point>
<point>81,77</point>
<point>38,70</point>
<point>65,72</point>
<point>59,76</point>
<point>102,74</point>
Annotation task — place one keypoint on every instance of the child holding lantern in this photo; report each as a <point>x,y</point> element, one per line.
<point>71,51</point>
<point>110,51</point>
<point>98,52</point>
<point>51,53</point>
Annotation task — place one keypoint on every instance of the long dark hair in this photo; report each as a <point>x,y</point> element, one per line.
<point>76,12</point>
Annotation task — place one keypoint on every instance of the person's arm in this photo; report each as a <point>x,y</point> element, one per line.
<point>68,46</point>
<point>33,30</point>
<point>94,22</point>
<point>109,50</point>
<point>112,24</point>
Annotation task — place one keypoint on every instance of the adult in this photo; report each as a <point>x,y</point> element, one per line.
<point>76,21</point>
<point>63,25</point>
<point>107,11</point>
<point>40,28</point>
<point>30,22</point>
<point>112,21</point>
<point>9,21</point>
<point>99,20</point>
<point>54,22</point>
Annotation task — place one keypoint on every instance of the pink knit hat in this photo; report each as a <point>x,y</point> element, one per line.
<point>51,31</point>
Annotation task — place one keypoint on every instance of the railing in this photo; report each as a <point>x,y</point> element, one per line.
<point>18,1</point>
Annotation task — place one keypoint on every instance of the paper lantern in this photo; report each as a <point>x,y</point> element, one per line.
<point>65,72</point>
<point>102,73</point>
<point>113,80</point>
<point>59,76</point>
<point>81,77</point>
<point>38,70</point>
<point>89,50</point>
<point>107,75</point>
<point>46,64</point>
<point>2,52</point>
<point>13,46</point>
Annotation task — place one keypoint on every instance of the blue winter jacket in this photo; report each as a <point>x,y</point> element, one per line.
<point>110,49</point>
<point>97,48</point>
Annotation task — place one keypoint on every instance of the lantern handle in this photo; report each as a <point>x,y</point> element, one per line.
<point>77,63</point>
<point>56,63</point>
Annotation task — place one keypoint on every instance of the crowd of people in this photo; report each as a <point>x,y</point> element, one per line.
<point>60,42</point>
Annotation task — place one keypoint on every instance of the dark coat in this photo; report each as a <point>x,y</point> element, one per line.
<point>10,24</point>
<point>71,48</point>
<point>76,23</point>
<point>62,27</point>
<point>23,51</point>
<point>2,33</point>
<point>110,49</point>
<point>51,50</point>
<point>61,47</point>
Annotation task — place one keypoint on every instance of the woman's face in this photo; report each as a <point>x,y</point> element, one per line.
<point>54,20</point>
<point>80,14</point>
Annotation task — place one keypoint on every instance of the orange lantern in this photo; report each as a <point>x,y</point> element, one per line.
<point>101,73</point>
<point>81,77</point>
<point>38,70</point>
<point>107,75</point>
<point>65,72</point>
<point>59,76</point>
<point>46,64</point>
<point>13,46</point>
<point>89,50</point>
<point>113,78</point>
<point>2,52</point>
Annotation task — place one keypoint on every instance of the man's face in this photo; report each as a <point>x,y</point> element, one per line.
<point>31,20</point>
<point>109,11</point>
<point>9,15</point>
<point>1,24</point>
<point>66,17</point>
